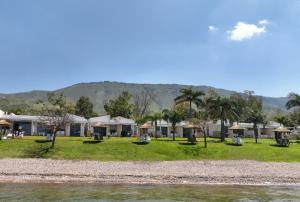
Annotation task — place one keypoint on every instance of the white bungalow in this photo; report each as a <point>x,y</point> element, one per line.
<point>117,126</point>
<point>182,129</point>
<point>31,125</point>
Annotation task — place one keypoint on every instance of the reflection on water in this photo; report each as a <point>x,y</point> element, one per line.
<point>88,192</point>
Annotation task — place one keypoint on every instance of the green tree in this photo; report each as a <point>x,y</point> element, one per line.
<point>240,103</point>
<point>221,108</point>
<point>172,117</point>
<point>16,111</point>
<point>154,118</point>
<point>295,117</point>
<point>190,96</point>
<point>282,119</point>
<point>254,112</point>
<point>121,106</point>
<point>84,107</point>
<point>294,100</point>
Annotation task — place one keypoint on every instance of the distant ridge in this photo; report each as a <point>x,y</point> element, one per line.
<point>99,92</point>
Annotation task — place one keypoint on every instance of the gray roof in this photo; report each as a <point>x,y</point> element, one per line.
<point>107,120</point>
<point>11,117</point>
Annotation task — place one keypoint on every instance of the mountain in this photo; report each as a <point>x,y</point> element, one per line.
<point>99,92</point>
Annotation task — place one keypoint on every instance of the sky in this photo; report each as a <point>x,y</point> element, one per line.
<point>235,45</point>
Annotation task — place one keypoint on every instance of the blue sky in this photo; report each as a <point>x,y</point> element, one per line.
<point>236,45</point>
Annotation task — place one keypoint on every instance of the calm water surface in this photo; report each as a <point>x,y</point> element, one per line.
<point>87,192</point>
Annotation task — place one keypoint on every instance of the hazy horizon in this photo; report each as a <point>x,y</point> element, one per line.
<point>228,44</point>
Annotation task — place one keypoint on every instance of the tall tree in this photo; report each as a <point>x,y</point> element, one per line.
<point>282,119</point>
<point>56,115</point>
<point>295,117</point>
<point>121,106</point>
<point>254,112</point>
<point>201,119</point>
<point>294,100</point>
<point>190,96</point>
<point>221,108</point>
<point>142,102</point>
<point>84,107</point>
<point>172,117</point>
<point>154,118</point>
<point>240,103</point>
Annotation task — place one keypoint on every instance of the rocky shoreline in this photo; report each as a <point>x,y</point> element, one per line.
<point>241,172</point>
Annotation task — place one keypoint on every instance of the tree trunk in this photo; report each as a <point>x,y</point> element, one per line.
<point>222,130</point>
<point>53,140</point>
<point>190,112</point>
<point>155,126</point>
<point>173,132</point>
<point>205,140</point>
<point>255,132</point>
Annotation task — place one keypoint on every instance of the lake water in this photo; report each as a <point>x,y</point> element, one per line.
<point>88,192</point>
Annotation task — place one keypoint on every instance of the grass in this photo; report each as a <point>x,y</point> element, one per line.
<point>124,149</point>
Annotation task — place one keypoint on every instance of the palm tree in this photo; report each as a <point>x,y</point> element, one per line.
<point>154,118</point>
<point>256,117</point>
<point>294,100</point>
<point>191,96</point>
<point>222,108</point>
<point>173,117</point>
<point>253,112</point>
<point>282,120</point>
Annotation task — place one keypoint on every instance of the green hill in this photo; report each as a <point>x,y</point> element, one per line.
<point>99,92</point>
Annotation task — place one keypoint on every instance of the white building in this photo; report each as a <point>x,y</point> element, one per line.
<point>117,126</point>
<point>32,125</point>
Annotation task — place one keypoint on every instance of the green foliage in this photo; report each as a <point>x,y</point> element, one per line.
<point>120,106</point>
<point>173,117</point>
<point>84,107</point>
<point>190,96</point>
<point>295,117</point>
<point>284,120</point>
<point>16,111</point>
<point>154,118</point>
<point>221,108</point>
<point>294,100</point>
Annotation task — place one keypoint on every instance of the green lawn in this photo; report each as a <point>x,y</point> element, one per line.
<point>161,149</point>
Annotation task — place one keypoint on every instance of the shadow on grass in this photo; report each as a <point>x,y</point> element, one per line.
<point>233,144</point>
<point>249,142</point>
<point>214,141</point>
<point>278,145</point>
<point>297,141</point>
<point>36,152</point>
<point>167,140</point>
<point>140,143</point>
<point>187,143</point>
<point>91,142</point>
<point>42,141</point>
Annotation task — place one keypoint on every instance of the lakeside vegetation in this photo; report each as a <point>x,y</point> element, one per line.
<point>124,149</point>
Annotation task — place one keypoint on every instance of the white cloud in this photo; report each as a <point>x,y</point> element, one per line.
<point>264,22</point>
<point>243,31</point>
<point>212,28</point>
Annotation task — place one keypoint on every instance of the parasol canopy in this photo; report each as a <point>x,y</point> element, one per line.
<point>146,126</point>
<point>236,127</point>
<point>282,130</point>
<point>4,123</point>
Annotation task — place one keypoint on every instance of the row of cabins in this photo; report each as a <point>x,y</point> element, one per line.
<point>119,126</point>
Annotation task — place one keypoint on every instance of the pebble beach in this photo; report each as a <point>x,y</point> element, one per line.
<point>163,172</point>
